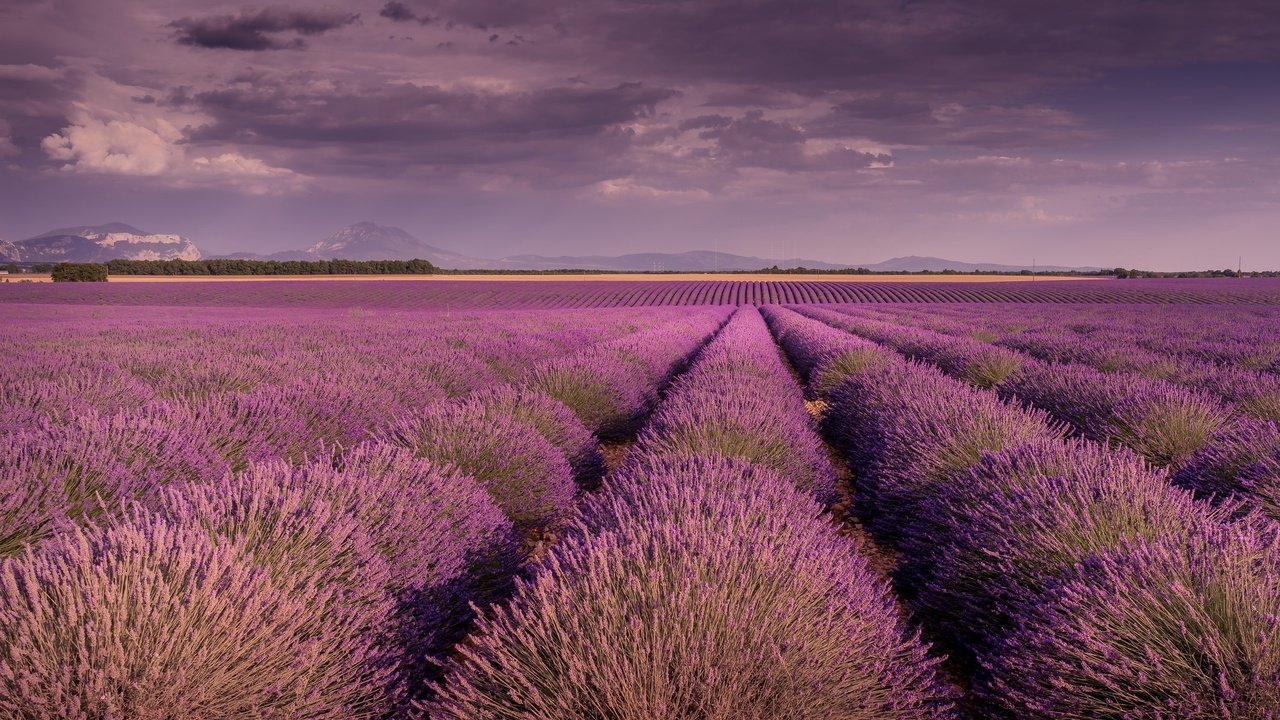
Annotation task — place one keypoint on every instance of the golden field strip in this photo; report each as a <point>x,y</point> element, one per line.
<point>681,277</point>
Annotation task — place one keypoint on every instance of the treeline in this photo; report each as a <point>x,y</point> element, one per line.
<point>79,272</point>
<point>1131,273</point>
<point>227,266</point>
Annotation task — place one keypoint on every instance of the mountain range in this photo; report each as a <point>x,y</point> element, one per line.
<point>370,241</point>
<point>99,243</point>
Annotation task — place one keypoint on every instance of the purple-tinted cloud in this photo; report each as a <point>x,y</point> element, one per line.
<point>862,127</point>
<point>400,12</point>
<point>259,30</point>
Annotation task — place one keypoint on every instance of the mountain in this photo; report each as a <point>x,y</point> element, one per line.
<point>370,241</point>
<point>8,251</point>
<point>692,261</point>
<point>99,243</point>
<point>705,261</point>
<point>915,263</point>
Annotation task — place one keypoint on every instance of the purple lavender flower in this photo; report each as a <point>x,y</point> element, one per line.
<point>715,592</point>
<point>528,477</point>
<point>1185,626</point>
<point>150,620</point>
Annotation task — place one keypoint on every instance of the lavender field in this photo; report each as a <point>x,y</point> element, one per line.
<point>632,500</point>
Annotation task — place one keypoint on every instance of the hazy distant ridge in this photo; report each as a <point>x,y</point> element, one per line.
<point>371,241</point>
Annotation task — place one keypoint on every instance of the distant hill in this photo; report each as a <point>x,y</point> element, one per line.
<point>99,243</point>
<point>706,261</point>
<point>371,241</point>
<point>692,261</point>
<point>916,263</point>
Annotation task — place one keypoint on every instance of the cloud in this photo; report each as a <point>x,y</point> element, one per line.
<point>565,135</point>
<point>754,140</point>
<point>399,12</point>
<point>259,30</point>
<point>7,148</point>
<point>94,145</point>
<point>151,147</point>
<point>627,188</point>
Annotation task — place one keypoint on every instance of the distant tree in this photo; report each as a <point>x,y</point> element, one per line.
<point>79,272</point>
<point>1120,273</point>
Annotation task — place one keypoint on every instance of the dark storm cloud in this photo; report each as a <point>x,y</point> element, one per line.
<point>951,46</point>
<point>753,141</point>
<point>382,129</point>
<point>400,12</point>
<point>35,100</point>
<point>890,119</point>
<point>259,30</point>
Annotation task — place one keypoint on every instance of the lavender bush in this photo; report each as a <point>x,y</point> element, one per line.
<point>739,400</point>
<point>1181,627</point>
<point>552,418</point>
<point>147,620</point>
<point>1242,463</point>
<point>445,542</point>
<point>528,477</point>
<point>1164,423</point>
<point>601,389</point>
<point>907,427</point>
<point>737,422</point>
<point>91,467</point>
<point>717,593</point>
<point>996,534</point>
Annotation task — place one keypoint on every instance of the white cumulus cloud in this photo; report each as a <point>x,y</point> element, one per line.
<point>119,144</point>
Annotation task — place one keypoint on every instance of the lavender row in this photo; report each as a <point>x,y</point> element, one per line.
<point>1073,578</point>
<point>333,579</point>
<point>702,582</point>
<point>1242,337</point>
<point>739,400</point>
<point>444,294</point>
<point>289,591</point>
<point>1210,448</point>
<point>61,370</point>
<point>1242,458</point>
<point>1236,354</point>
<point>91,463</point>
<point>533,443</point>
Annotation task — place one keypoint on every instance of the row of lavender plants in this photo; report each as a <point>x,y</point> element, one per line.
<point>324,587</point>
<point>1211,447</point>
<point>1236,349</point>
<point>1237,336</point>
<point>587,292</point>
<point>705,581</point>
<point>84,423</point>
<point>1070,577</point>
<point>1242,459</point>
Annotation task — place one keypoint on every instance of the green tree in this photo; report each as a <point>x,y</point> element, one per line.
<point>79,272</point>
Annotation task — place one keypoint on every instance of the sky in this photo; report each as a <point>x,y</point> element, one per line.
<point>1096,132</point>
